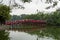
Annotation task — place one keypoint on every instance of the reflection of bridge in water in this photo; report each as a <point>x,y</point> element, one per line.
<point>26,29</point>
<point>26,24</point>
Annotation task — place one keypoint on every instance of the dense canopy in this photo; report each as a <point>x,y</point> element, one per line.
<point>4,13</point>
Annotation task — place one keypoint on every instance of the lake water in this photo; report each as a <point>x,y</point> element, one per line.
<point>20,35</point>
<point>48,33</point>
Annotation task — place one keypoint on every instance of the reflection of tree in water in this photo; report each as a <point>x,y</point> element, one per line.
<point>52,32</point>
<point>4,35</point>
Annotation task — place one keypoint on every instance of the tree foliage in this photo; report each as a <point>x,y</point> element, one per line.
<point>4,35</point>
<point>51,18</point>
<point>26,1</point>
<point>4,13</point>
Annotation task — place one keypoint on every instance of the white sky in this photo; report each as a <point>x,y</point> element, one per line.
<point>30,8</point>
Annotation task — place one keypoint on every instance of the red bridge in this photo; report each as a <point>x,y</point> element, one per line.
<point>26,22</point>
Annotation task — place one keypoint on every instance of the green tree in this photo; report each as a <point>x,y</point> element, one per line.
<point>4,35</point>
<point>4,13</point>
<point>53,18</point>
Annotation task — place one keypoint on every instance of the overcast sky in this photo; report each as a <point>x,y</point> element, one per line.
<point>31,8</point>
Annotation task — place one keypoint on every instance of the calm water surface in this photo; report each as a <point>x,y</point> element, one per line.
<point>19,35</point>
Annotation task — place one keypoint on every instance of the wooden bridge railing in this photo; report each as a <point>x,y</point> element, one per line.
<point>26,22</point>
